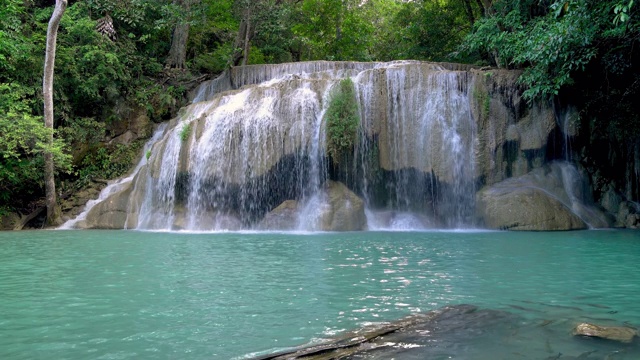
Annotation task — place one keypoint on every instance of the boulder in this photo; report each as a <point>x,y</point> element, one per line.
<point>9,220</point>
<point>524,209</point>
<point>345,211</point>
<point>616,333</point>
<point>283,217</point>
<point>632,221</point>
<point>553,197</point>
<point>111,213</point>
<point>336,208</point>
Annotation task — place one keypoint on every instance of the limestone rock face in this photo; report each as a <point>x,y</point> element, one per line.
<point>512,136</point>
<point>548,198</point>
<point>110,213</point>
<point>615,333</point>
<point>245,145</point>
<point>517,208</point>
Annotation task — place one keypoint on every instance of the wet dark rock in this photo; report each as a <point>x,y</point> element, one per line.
<point>409,338</point>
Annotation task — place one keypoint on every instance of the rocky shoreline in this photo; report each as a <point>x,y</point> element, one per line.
<point>463,331</point>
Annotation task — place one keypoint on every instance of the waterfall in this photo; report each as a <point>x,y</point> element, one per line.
<point>254,139</point>
<point>426,148</point>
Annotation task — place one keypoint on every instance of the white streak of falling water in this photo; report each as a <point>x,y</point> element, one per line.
<point>118,184</point>
<point>578,195</point>
<point>314,202</point>
<point>243,139</point>
<point>156,211</point>
<point>459,137</point>
<point>212,156</point>
<point>256,74</point>
<point>429,129</point>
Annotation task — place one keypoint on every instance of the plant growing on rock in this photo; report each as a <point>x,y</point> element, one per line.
<point>342,120</point>
<point>185,132</point>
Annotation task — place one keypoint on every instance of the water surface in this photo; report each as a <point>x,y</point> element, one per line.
<point>132,295</point>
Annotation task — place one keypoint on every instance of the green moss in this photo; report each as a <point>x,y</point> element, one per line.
<point>342,120</point>
<point>484,101</point>
<point>185,132</point>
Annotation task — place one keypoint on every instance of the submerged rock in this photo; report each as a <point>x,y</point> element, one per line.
<point>616,333</point>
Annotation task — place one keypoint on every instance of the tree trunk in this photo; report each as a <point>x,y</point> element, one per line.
<point>178,53</point>
<point>469,10</point>
<point>481,7</point>
<point>247,41</point>
<point>242,43</point>
<point>53,211</point>
<point>488,7</point>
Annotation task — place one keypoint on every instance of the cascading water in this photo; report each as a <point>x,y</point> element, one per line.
<point>426,163</point>
<point>236,154</point>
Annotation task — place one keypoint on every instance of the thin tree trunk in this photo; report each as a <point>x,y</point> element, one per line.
<point>53,211</point>
<point>247,39</point>
<point>236,56</point>
<point>242,43</point>
<point>178,52</point>
<point>469,10</point>
<point>481,6</point>
<point>488,7</point>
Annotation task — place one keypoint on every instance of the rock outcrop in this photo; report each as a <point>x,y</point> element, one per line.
<point>548,198</point>
<point>335,208</point>
<point>512,207</point>
<point>616,333</point>
<point>282,218</point>
<point>111,213</point>
<point>343,210</point>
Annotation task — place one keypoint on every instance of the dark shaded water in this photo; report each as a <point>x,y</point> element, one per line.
<point>131,295</point>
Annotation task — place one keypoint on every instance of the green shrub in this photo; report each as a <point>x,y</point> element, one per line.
<point>185,132</point>
<point>109,163</point>
<point>342,120</point>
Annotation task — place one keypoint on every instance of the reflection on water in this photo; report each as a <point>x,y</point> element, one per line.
<point>126,294</point>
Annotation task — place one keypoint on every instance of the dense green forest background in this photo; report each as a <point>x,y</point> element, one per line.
<point>146,54</point>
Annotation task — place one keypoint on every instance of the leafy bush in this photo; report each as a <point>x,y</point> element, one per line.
<point>553,44</point>
<point>185,132</point>
<point>109,163</point>
<point>342,120</point>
